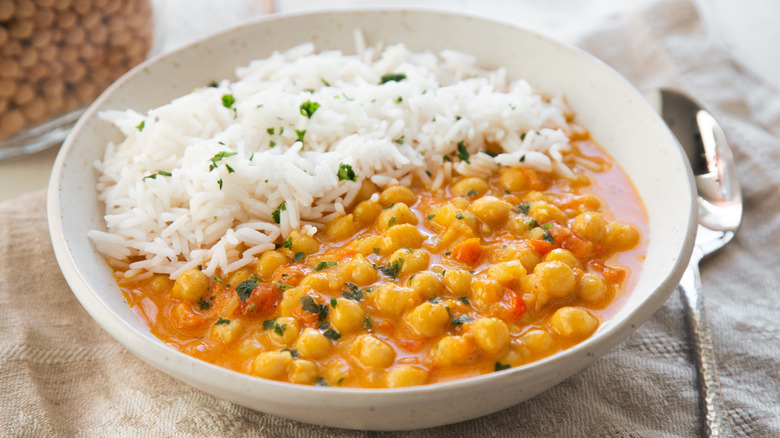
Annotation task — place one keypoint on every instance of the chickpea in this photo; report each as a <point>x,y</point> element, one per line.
<point>184,317</point>
<point>291,300</point>
<point>395,215</point>
<point>373,352</point>
<point>466,185</point>
<point>555,278</point>
<point>341,228</point>
<point>491,334</point>
<point>443,215</point>
<point>564,256</point>
<point>303,372</point>
<point>160,283</point>
<point>191,285</point>
<point>528,257</point>
<point>271,364</point>
<point>347,316</point>
<point>490,209</point>
<point>336,371</point>
<point>573,322</point>
<point>238,277</point>
<point>426,284</point>
<point>458,281</point>
<point>621,237</point>
<point>393,300</point>
<point>454,350</point>
<point>545,212</point>
<point>319,281</point>
<point>358,270</point>
<point>367,189</point>
<point>369,244</point>
<point>591,288</point>
<point>405,375</point>
<point>269,262</point>
<point>252,344</point>
<point>401,236</point>
<point>312,344</point>
<point>410,260</point>
<point>591,226</point>
<point>285,330</point>
<point>428,319</point>
<point>303,243</point>
<point>366,212</point>
<point>512,179</point>
<point>506,273</point>
<point>536,340</point>
<point>227,333</point>
<point>396,195</point>
<point>486,291</point>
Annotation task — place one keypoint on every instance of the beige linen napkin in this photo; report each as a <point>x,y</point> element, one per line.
<point>62,375</point>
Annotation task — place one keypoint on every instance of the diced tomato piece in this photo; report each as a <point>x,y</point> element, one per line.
<point>579,247</point>
<point>262,300</point>
<point>409,345</point>
<point>516,304</point>
<point>614,275</point>
<point>468,252</point>
<point>344,253</point>
<point>308,319</point>
<point>541,246</point>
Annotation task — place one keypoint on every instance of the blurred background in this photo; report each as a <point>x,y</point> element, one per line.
<point>745,32</point>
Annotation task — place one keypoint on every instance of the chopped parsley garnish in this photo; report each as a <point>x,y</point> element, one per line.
<point>287,243</point>
<point>332,334</point>
<point>525,207</point>
<point>399,140</point>
<point>219,156</point>
<point>218,280</point>
<point>228,101</point>
<point>159,172</point>
<point>279,329</point>
<point>435,300</point>
<point>321,382</point>
<point>376,250</point>
<point>270,131</point>
<point>141,125</point>
<point>324,265</point>
<point>461,320</point>
<point>244,290</point>
<point>446,158</point>
<point>276,215</point>
<point>522,136</point>
<point>399,99</point>
<point>458,216</point>
<point>547,237</point>
<point>548,225</point>
<point>393,268</point>
<point>346,173</point>
<point>281,285</point>
<point>269,324</point>
<point>254,278</point>
<point>213,84</point>
<point>464,300</point>
<point>429,217</point>
<point>298,257</point>
<point>463,154</point>
<point>300,133</point>
<point>203,304</point>
<point>222,320</point>
<point>308,108</point>
<point>390,206</point>
<point>324,82</point>
<point>310,305</point>
<point>522,159</point>
<point>271,144</point>
<point>394,77</point>
<point>220,182</point>
<point>501,366</point>
<point>333,302</point>
<point>293,352</point>
<point>531,223</point>
<point>392,221</point>
<point>472,192</point>
<point>353,293</point>
<point>367,322</point>
<point>229,169</point>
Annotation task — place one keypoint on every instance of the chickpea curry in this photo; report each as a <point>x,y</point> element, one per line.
<point>416,286</point>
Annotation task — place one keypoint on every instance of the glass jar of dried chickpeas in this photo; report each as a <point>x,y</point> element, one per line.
<point>56,57</point>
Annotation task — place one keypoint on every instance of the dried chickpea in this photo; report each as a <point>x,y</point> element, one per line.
<point>490,209</point>
<point>191,285</point>
<point>426,284</point>
<point>458,281</point>
<point>271,364</point>
<point>269,262</point>
<point>285,331</point>
<point>347,316</point>
<point>405,375</point>
<point>591,287</point>
<point>311,344</point>
<point>397,194</point>
<point>573,322</point>
<point>454,350</point>
<point>428,319</point>
<point>590,225</point>
<point>466,185</point>
<point>397,214</point>
<point>366,212</point>
<point>555,278</point>
<point>491,334</point>
<point>227,333</point>
<point>303,371</point>
<point>373,352</point>
<point>341,227</point>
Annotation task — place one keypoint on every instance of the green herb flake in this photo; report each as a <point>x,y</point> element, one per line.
<point>203,304</point>
<point>399,99</point>
<point>222,321</point>
<point>522,159</point>
<point>446,158</point>
<point>218,280</point>
<point>245,289</point>
<point>367,322</point>
<point>308,108</point>
<point>435,300</point>
<point>140,126</point>
<point>271,144</point>
<point>399,140</point>
<point>321,382</point>
<point>392,221</point>
<point>159,172</point>
<point>219,181</point>
<point>276,215</point>
<point>458,216</point>
<point>461,320</point>
<point>346,173</point>
<point>281,285</point>
<point>547,237</point>
<point>218,157</point>
<point>270,131</point>
<point>213,84</point>
<point>298,257</point>
<point>279,329</point>
<point>200,267</point>
<point>332,334</point>
<point>525,207</point>
<point>324,82</point>
<point>464,300</point>
<point>300,133</point>
<point>501,366</point>
<point>522,136</point>
<point>293,352</point>
<point>472,192</point>
<point>229,169</point>
<point>394,77</point>
<point>269,324</point>
<point>548,226</point>
<point>429,217</point>
<point>393,268</point>
<point>254,278</point>
<point>228,100</point>
<point>531,223</point>
<point>287,243</point>
<point>463,153</point>
<point>324,265</point>
<point>376,250</point>
<point>333,302</point>
<point>310,305</point>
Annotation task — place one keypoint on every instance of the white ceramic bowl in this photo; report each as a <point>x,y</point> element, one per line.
<point>616,114</point>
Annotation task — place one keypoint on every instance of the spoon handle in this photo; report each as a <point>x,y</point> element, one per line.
<point>716,421</point>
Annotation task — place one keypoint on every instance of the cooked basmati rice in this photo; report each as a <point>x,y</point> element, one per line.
<point>198,177</point>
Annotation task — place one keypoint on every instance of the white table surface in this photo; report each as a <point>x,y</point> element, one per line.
<point>748,34</point>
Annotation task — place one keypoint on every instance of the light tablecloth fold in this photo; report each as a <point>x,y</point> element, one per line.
<point>62,375</point>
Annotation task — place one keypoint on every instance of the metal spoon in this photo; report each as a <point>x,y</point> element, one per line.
<point>720,213</point>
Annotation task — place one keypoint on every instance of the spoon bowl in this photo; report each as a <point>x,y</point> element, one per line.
<point>720,214</point>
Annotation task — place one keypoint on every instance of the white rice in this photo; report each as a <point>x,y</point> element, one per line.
<point>389,133</point>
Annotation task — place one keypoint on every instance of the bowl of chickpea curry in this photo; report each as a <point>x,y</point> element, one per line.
<point>415,306</point>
